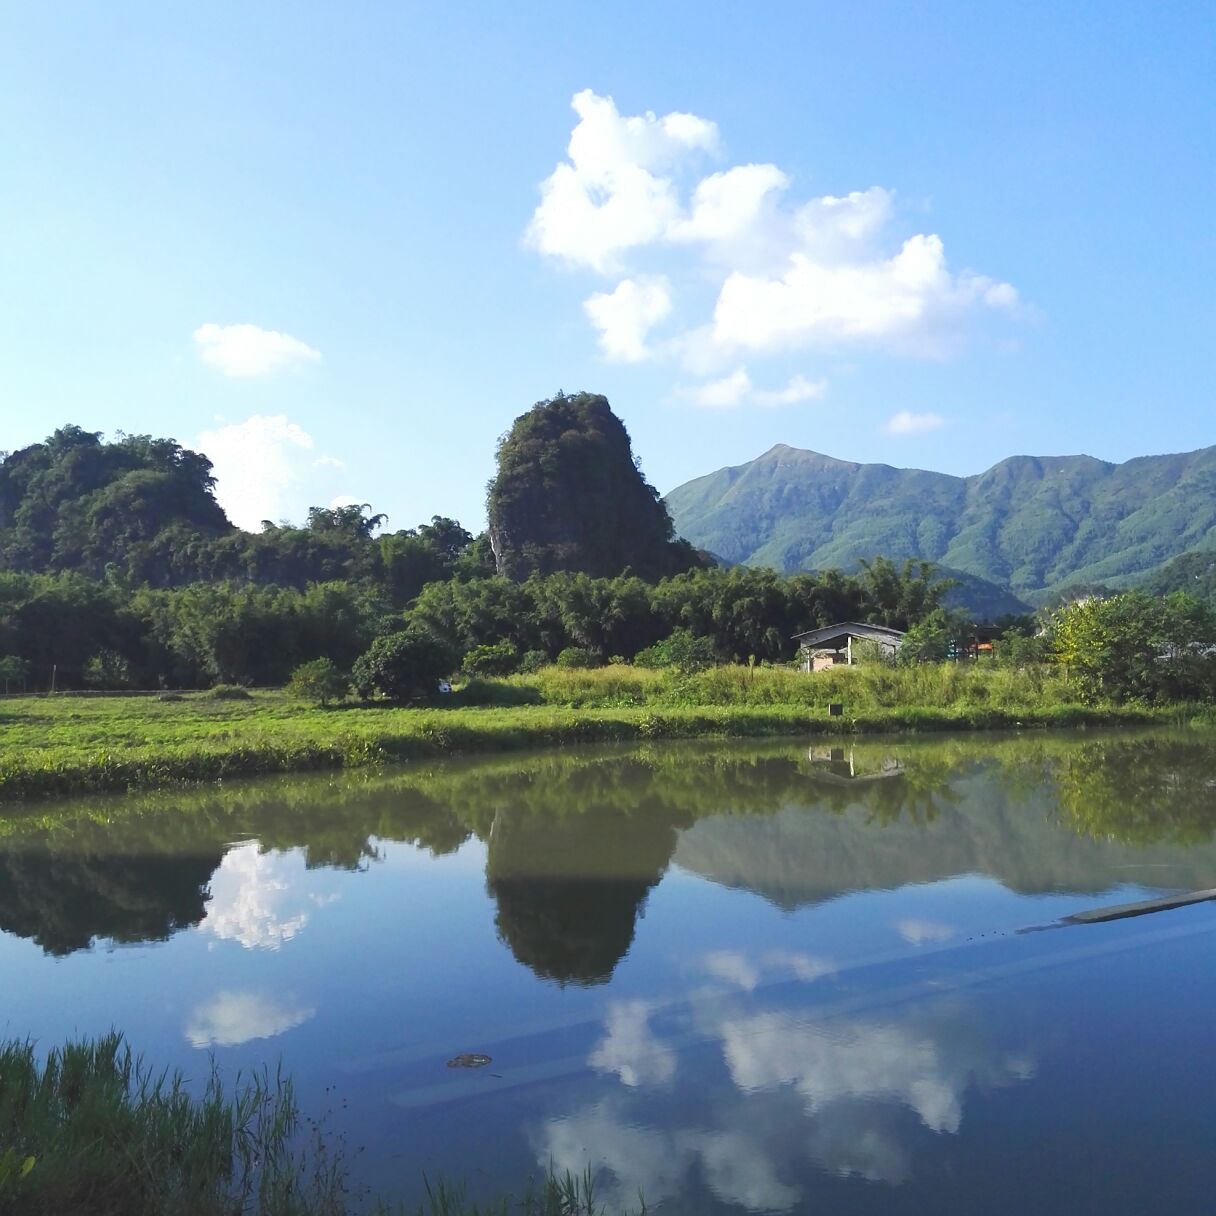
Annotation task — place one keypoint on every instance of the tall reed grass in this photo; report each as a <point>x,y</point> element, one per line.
<point>92,1131</point>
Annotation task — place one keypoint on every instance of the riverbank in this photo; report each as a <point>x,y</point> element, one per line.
<point>62,745</point>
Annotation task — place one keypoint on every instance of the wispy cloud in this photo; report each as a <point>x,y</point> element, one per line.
<point>737,389</point>
<point>248,350</point>
<point>908,423</point>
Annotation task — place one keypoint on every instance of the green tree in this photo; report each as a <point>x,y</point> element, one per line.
<point>13,670</point>
<point>495,659</point>
<point>941,634</point>
<point>319,681</point>
<point>682,650</point>
<point>402,666</point>
<point>1134,647</point>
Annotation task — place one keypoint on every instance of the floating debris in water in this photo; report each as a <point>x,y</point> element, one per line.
<point>469,1059</point>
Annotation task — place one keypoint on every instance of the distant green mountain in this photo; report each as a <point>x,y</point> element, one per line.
<point>1029,524</point>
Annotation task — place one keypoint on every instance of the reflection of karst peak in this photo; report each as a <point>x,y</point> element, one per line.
<point>569,890</point>
<point>65,901</point>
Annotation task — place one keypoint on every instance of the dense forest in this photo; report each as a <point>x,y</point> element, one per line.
<point>118,569</point>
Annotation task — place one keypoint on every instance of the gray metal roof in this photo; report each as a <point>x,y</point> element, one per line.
<point>844,629</point>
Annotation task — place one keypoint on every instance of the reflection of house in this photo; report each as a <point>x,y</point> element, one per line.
<point>842,764</point>
<point>822,648</point>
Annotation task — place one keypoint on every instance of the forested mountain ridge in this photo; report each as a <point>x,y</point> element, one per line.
<point>1033,524</point>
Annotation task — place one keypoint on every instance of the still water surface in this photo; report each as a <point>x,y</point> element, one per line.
<point>733,978</point>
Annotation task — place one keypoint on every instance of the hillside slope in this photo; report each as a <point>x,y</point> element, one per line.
<point>1033,524</point>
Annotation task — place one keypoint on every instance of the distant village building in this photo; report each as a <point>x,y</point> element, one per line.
<point>823,648</point>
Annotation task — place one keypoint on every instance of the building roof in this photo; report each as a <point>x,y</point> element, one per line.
<point>837,633</point>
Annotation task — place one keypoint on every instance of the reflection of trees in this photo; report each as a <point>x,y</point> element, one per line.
<point>135,868</point>
<point>63,901</point>
<point>1140,791</point>
<point>569,890</point>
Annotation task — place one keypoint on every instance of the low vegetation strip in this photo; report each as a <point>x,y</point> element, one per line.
<point>64,745</point>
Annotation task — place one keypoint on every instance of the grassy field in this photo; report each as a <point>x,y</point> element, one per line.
<point>65,744</point>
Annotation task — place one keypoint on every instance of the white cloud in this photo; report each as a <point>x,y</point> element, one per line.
<point>730,391</point>
<point>611,195</point>
<point>908,423</point>
<point>248,350</point>
<point>630,1049</point>
<point>258,463</point>
<point>797,390</point>
<point>737,389</point>
<point>626,315</point>
<point>784,274</point>
<point>329,462</point>
<point>262,900</point>
<point>343,500</point>
<point>725,206</point>
<point>909,302</point>
<point>237,1017</point>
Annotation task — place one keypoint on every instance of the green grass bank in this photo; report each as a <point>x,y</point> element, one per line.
<point>63,745</point>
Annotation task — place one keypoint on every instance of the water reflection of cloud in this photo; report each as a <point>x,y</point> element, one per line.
<point>746,971</point>
<point>655,1162</point>
<point>842,1093</point>
<point>230,1018</point>
<point>917,932</point>
<point>262,900</point>
<point>914,1063</point>
<point>630,1048</point>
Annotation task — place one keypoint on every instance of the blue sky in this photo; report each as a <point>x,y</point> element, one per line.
<point>341,247</point>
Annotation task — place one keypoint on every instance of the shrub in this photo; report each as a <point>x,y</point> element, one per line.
<point>229,692</point>
<point>682,650</point>
<point>500,659</point>
<point>577,656</point>
<point>318,681</point>
<point>533,660</point>
<point>401,666</point>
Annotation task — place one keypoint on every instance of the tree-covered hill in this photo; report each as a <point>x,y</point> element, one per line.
<point>143,511</point>
<point>78,503</point>
<point>568,495</point>
<point>1194,573</point>
<point>1032,524</point>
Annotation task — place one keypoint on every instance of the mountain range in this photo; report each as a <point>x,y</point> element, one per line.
<point>1032,525</point>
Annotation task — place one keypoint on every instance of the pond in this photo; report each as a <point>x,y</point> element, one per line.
<point>779,977</point>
